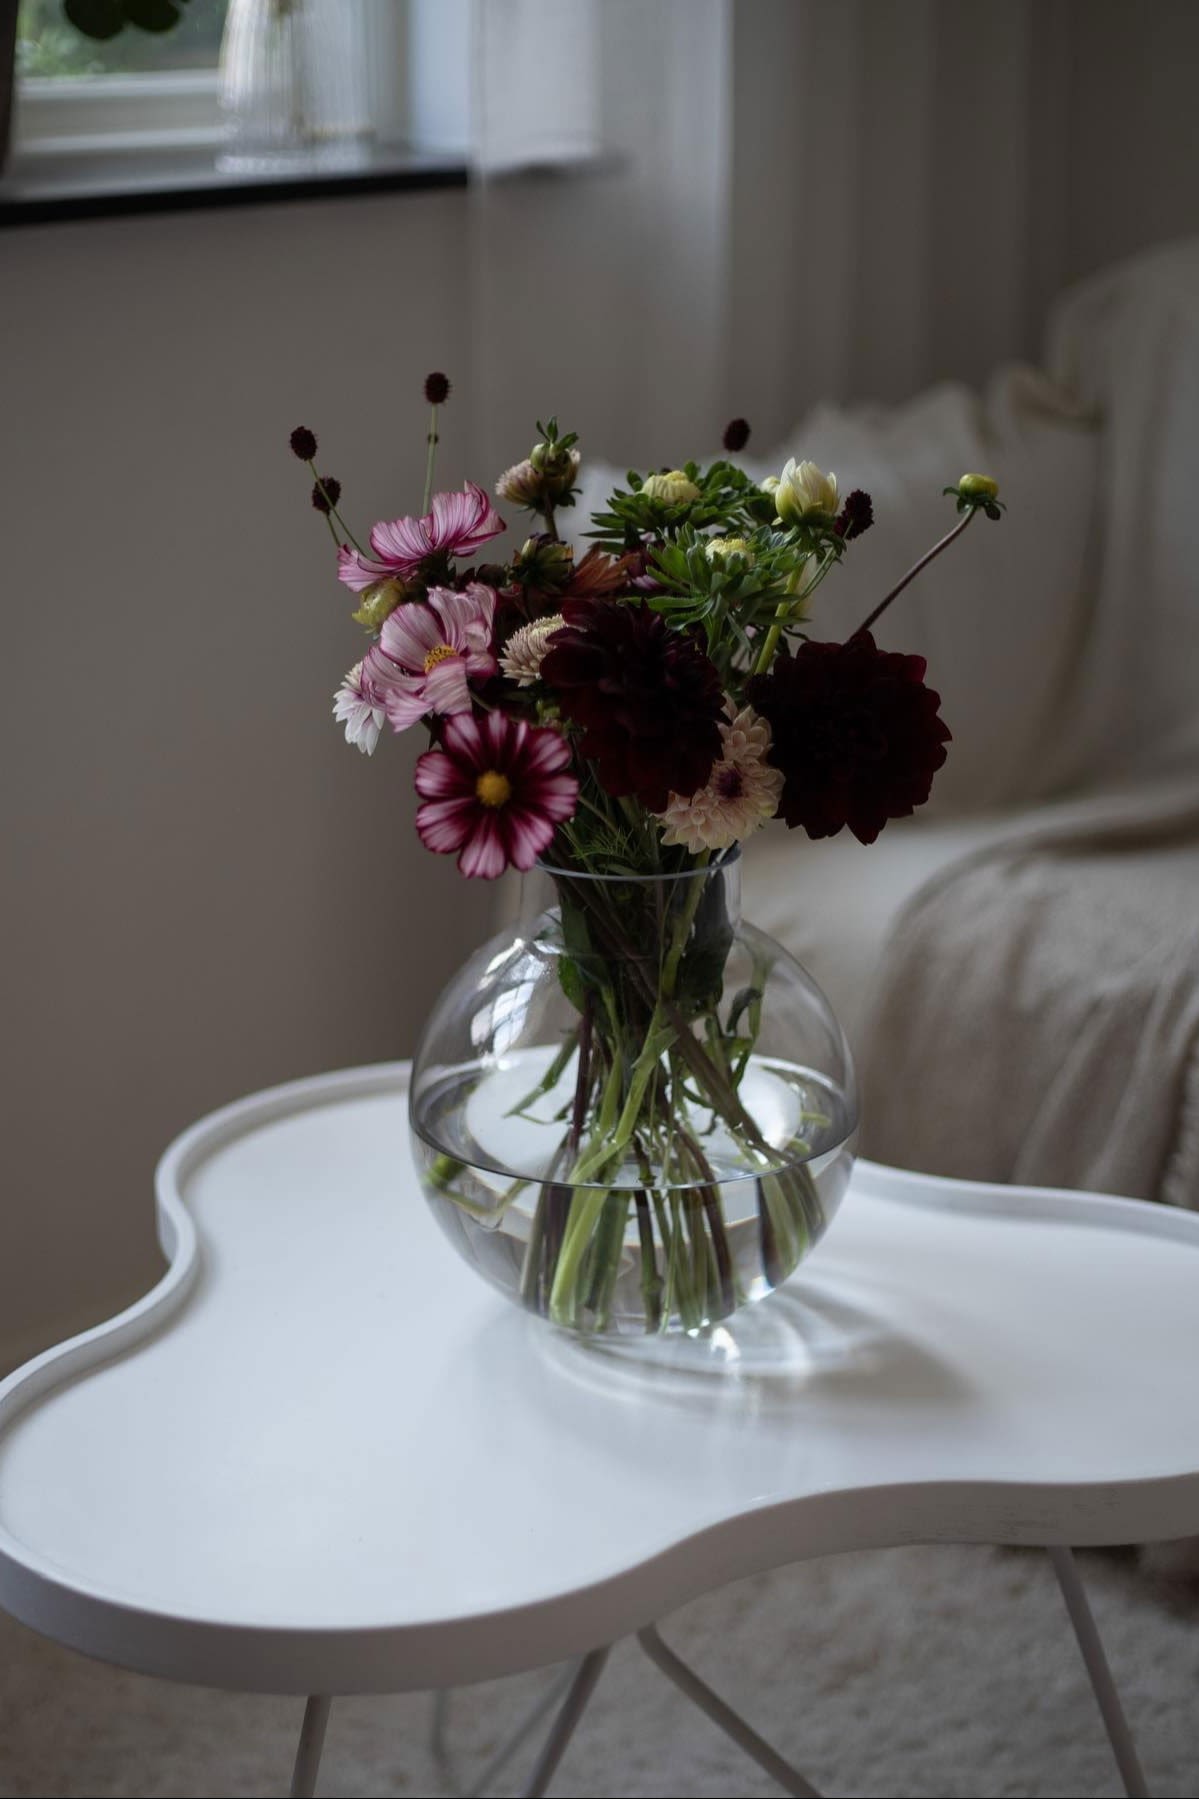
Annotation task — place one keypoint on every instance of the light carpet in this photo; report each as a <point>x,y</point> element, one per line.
<point>916,1671</point>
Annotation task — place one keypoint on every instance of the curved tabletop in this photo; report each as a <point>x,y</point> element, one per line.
<point>323,1456</point>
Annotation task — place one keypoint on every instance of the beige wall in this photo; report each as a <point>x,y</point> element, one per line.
<point>204,889</point>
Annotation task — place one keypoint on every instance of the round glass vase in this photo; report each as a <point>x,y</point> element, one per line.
<point>631,1112</point>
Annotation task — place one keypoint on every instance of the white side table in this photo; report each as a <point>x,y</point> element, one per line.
<point>322,1457</point>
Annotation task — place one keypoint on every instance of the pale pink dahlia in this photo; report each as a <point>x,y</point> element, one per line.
<point>429,653</point>
<point>357,706</point>
<point>740,794</point>
<point>459,524</point>
<point>494,792</point>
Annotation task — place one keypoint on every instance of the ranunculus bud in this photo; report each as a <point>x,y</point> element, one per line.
<point>544,562</point>
<point>805,492</point>
<point>303,443</point>
<point>379,601</point>
<point>673,488</point>
<point>978,487</point>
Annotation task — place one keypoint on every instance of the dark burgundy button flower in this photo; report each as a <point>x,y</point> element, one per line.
<point>326,493</point>
<point>855,732</point>
<point>303,443</point>
<point>855,516</point>
<point>437,388</point>
<point>646,698</point>
<point>736,435</point>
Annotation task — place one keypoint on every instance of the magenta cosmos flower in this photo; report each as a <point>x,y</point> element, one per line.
<point>494,791</point>
<point>428,653</point>
<point>459,524</point>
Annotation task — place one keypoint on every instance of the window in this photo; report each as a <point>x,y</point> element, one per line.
<point>145,91</point>
<point>80,93</point>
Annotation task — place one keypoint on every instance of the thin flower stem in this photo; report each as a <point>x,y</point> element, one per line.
<point>432,457</point>
<point>915,570</point>
<point>333,513</point>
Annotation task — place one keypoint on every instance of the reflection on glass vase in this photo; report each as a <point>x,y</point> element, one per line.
<point>632,1113</point>
<point>295,84</point>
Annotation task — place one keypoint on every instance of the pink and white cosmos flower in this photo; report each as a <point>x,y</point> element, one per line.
<point>494,792</point>
<point>459,524</point>
<point>429,653</point>
<point>357,707</point>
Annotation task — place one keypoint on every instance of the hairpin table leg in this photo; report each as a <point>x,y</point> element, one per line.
<point>308,1752</point>
<point>1087,1632</point>
<point>553,1695</point>
<point>573,1706</point>
<point>733,1725</point>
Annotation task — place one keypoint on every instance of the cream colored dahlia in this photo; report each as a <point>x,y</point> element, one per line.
<point>740,794</point>
<point>521,660</point>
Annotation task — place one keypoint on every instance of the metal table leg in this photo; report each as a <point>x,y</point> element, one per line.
<point>573,1706</point>
<point>731,1722</point>
<point>1087,1632</point>
<point>553,1695</point>
<point>308,1751</point>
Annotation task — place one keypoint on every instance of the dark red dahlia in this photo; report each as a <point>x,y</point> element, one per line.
<point>646,698</point>
<point>855,732</point>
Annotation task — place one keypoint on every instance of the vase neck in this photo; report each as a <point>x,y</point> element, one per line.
<point>632,914</point>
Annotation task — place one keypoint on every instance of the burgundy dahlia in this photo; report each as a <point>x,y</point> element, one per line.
<point>647,699</point>
<point>855,732</point>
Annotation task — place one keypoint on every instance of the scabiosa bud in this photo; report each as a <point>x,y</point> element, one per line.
<point>325,493</point>
<point>855,516</point>
<point>437,388</point>
<point>736,435</point>
<point>303,443</point>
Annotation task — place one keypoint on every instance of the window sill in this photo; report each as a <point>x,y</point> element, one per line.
<point>44,186</point>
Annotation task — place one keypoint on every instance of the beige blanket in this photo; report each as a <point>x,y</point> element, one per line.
<point>1037,1019</point>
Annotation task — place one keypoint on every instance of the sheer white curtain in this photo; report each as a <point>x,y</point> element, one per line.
<point>762,206</point>
<point>601,231</point>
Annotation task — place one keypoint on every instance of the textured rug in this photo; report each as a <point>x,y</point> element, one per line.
<point>919,1671</point>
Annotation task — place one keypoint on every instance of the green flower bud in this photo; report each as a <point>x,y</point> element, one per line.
<point>379,601</point>
<point>978,487</point>
<point>673,488</point>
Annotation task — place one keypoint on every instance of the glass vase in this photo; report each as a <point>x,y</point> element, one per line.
<point>632,1112</point>
<point>295,85</point>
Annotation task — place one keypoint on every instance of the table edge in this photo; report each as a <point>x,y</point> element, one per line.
<point>482,1646</point>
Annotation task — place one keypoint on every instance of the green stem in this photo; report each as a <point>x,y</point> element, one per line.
<point>432,457</point>
<point>915,570</point>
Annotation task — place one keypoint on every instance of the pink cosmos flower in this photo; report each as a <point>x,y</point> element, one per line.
<point>494,791</point>
<point>427,654</point>
<point>459,524</point>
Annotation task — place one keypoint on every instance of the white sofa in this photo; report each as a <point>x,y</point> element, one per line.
<point>1017,966</point>
<point>1065,643</point>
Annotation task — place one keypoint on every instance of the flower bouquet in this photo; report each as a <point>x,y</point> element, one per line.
<point>632,1112</point>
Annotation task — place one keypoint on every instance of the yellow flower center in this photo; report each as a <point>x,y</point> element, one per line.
<point>439,653</point>
<point>493,788</point>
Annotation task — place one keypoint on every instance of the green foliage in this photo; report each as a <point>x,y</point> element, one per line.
<point>727,497</point>
<point>701,971</point>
